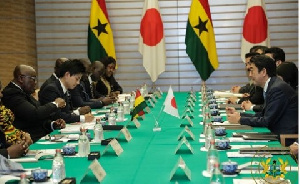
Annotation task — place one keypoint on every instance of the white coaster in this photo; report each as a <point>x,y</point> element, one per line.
<point>208,175</point>
<point>125,119</point>
<point>156,129</point>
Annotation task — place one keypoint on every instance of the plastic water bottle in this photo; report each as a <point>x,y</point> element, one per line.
<point>58,167</point>
<point>120,112</point>
<point>217,176</point>
<point>132,100</point>
<point>126,105</point>
<point>23,179</point>
<point>212,157</point>
<point>83,144</point>
<point>209,136</point>
<point>112,118</point>
<point>98,131</point>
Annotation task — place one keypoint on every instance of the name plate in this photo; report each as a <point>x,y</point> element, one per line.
<point>147,109</point>
<point>185,142</point>
<point>188,131</point>
<point>181,165</point>
<point>151,102</point>
<point>189,104</point>
<point>189,114</point>
<point>153,98</point>
<point>97,170</point>
<point>114,144</point>
<point>193,97</point>
<point>126,134</point>
<point>189,120</point>
<point>136,123</point>
<point>158,94</point>
<point>190,100</point>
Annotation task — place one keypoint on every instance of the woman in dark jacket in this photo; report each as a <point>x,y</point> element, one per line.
<point>107,85</point>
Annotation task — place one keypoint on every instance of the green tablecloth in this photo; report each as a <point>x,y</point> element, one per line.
<point>150,156</point>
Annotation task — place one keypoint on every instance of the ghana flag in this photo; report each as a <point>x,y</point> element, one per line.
<point>200,39</point>
<point>139,105</point>
<point>100,35</point>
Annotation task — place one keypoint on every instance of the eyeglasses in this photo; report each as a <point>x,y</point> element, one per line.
<point>28,76</point>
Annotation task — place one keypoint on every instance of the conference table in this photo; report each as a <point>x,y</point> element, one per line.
<point>149,157</point>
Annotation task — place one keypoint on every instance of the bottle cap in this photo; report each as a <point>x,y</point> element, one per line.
<point>23,175</point>
<point>216,165</point>
<point>82,129</point>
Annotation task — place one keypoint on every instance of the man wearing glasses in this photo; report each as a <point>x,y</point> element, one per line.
<point>30,116</point>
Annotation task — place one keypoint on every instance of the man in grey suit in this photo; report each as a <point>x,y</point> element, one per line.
<point>280,110</point>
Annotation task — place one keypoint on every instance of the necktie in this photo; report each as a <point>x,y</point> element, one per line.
<point>86,96</point>
<point>92,90</point>
<point>68,100</point>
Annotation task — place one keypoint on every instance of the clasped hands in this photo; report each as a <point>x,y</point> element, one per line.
<point>232,115</point>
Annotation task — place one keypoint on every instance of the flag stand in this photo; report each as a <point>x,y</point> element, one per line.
<point>157,127</point>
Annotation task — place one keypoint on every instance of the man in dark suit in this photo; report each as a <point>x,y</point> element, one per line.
<point>250,91</point>
<point>54,77</point>
<point>84,94</point>
<point>69,77</point>
<point>280,111</point>
<point>30,116</point>
<point>12,151</point>
<point>277,54</point>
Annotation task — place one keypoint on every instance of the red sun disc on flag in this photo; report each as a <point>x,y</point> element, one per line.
<point>151,27</point>
<point>173,103</point>
<point>255,29</point>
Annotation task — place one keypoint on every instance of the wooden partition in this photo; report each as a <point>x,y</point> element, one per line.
<point>17,36</point>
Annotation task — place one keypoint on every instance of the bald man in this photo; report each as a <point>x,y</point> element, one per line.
<point>30,116</point>
<point>54,77</point>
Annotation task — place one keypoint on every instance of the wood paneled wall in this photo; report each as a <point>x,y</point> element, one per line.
<point>17,36</point>
<point>61,29</point>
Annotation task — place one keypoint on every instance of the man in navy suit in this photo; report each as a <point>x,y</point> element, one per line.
<point>280,110</point>
<point>69,77</point>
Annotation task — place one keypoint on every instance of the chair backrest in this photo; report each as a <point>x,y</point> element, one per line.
<point>288,139</point>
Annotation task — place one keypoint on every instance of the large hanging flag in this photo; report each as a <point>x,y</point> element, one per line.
<point>255,28</point>
<point>200,39</point>
<point>152,40</point>
<point>139,105</point>
<point>100,35</point>
<point>170,104</point>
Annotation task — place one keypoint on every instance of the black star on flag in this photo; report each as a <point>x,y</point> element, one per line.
<point>201,26</point>
<point>100,28</point>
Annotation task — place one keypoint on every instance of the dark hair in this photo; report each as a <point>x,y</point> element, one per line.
<point>257,47</point>
<point>263,61</point>
<point>251,54</point>
<point>278,53</point>
<point>72,66</point>
<point>289,73</point>
<point>108,60</point>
